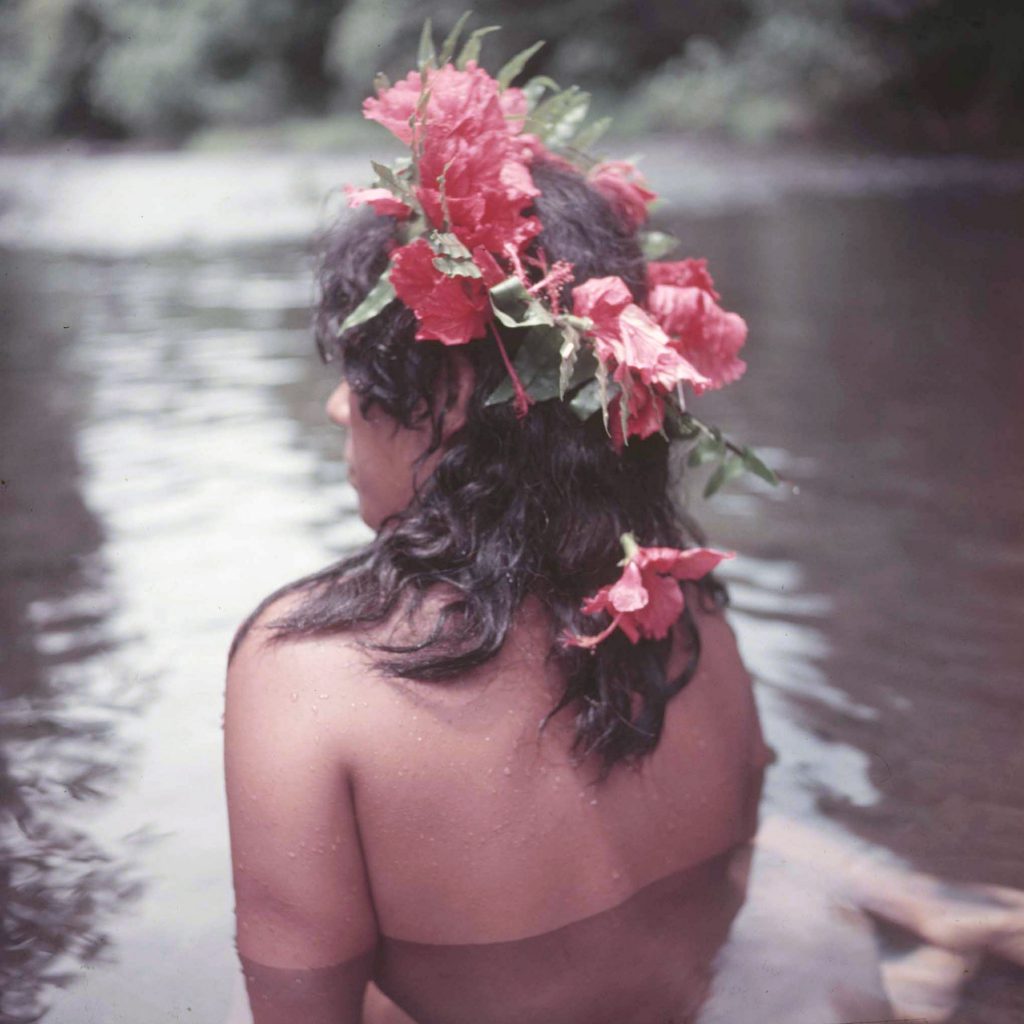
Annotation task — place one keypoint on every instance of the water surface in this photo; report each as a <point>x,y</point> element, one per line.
<point>165,463</point>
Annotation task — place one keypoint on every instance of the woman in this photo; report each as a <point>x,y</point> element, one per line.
<point>398,813</point>
<point>489,769</point>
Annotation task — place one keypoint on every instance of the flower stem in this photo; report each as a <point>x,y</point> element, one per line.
<point>522,400</point>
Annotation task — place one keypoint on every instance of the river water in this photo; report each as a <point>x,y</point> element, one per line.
<point>166,462</point>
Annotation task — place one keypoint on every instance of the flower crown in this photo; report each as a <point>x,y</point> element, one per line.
<point>468,267</point>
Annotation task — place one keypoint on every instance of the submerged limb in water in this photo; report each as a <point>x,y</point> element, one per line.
<point>957,924</point>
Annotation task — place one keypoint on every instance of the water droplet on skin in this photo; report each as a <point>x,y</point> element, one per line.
<point>506,770</point>
<point>593,803</point>
<point>291,855</point>
<point>293,696</point>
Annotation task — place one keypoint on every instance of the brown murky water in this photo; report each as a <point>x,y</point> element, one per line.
<point>165,463</point>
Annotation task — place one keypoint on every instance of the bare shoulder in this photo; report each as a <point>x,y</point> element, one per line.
<point>302,897</point>
<point>318,689</point>
<point>723,689</point>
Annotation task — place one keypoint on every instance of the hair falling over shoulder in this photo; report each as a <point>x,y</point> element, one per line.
<point>517,507</point>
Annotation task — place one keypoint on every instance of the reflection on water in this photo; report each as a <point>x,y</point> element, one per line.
<point>63,688</point>
<point>166,463</point>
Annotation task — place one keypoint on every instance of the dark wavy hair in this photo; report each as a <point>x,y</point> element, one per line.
<point>515,507</point>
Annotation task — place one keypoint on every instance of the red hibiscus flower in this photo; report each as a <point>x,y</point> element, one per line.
<point>467,101</point>
<point>701,331</point>
<point>473,165</point>
<point>485,190</point>
<point>624,187</point>
<point>452,310</point>
<point>646,415</point>
<point>683,274</point>
<point>627,339</point>
<point>381,199</point>
<point>647,599</point>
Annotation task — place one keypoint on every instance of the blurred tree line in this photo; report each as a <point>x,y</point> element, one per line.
<point>947,72</point>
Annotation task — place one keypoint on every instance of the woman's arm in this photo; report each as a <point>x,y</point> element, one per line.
<point>306,928</point>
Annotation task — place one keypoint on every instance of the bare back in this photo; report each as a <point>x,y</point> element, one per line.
<point>506,883</point>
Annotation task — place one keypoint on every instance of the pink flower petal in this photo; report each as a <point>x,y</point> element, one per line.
<point>665,606</point>
<point>647,350</point>
<point>625,189</point>
<point>702,332</point>
<point>682,274</point>
<point>452,310</point>
<point>381,199</point>
<point>602,299</point>
<point>687,564</point>
<point>629,595</point>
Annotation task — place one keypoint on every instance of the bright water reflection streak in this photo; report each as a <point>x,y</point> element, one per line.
<point>171,465</point>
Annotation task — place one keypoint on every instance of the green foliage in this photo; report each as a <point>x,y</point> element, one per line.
<point>147,67</point>
<point>536,363</point>
<point>657,245</point>
<point>513,68</point>
<point>710,447</point>
<point>948,69</point>
<point>453,258</point>
<point>471,49</point>
<point>380,295</point>
<point>48,49</point>
<point>794,65</point>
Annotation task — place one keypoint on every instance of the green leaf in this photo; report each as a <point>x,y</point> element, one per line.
<point>394,184</point>
<point>656,244</point>
<point>587,400</point>
<point>583,324</point>
<point>514,306</point>
<point>624,409</point>
<point>678,425</point>
<point>630,548</point>
<point>536,87</point>
<point>379,296</point>
<point>730,468</point>
<point>456,268</point>
<point>588,137</point>
<point>427,56</point>
<point>471,51</point>
<point>514,67</point>
<point>452,40</point>
<point>446,244</point>
<point>536,364</point>
<point>699,455</point>
<point>503,393</point>
<point>601,376</point>
<point>453,258</point>
<point>707,449</point>
<point>754,465</point>
<point>419,115</point>
<point>557,119</point>
<point>586,367</point>
<point>421,103</point>
<point>568,351</point>
<point>541,363</point>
